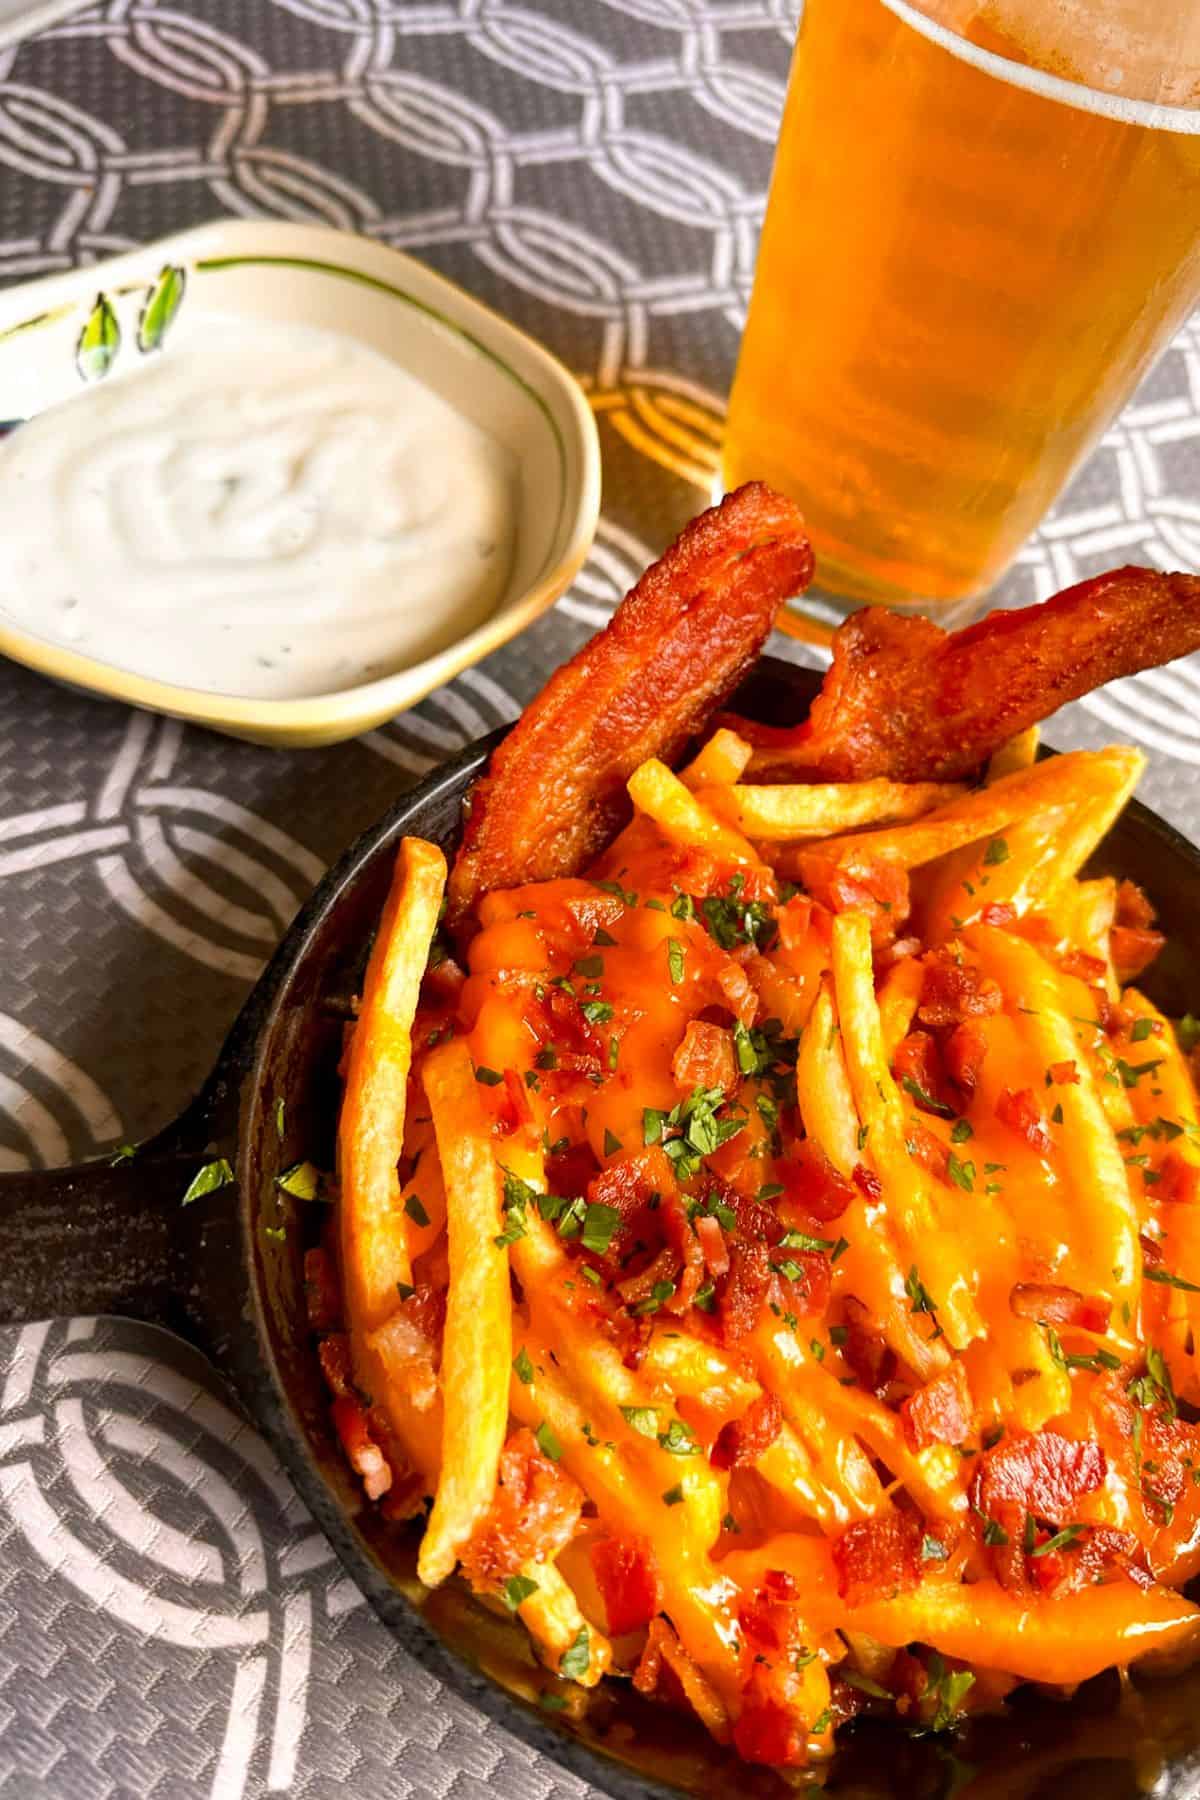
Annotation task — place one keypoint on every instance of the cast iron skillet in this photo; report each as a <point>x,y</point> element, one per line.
<point>104,1239</point>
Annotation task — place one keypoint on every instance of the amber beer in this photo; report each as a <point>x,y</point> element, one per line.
<point>971,254</point>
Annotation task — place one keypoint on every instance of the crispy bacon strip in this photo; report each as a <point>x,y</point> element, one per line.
<point>675,648</point>
<point>906,700</point>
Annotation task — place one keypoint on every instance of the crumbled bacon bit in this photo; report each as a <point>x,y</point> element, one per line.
<point>963,1054</point>
<point>940,1412</point>
<point>795,921</point>
<point>1041,1472</point>
<point>953,991</point>
<point>918,1065</point>
<point>1052,1305</point>
<point>867,1182</point>
<point>928,1148</point>
<point>767,1729</point>
<point>866,1349</point>
<point>333,1353</point>
<point>712,1244</point>
<point>781,1585</point>
<point>742,1293</point>
<point>1178,1179</point>
<point>1133,906</point>
<point>1133,951</point>
<point>704,1058</point>
<point>630,1585</point>
<point>867,884</point>
<point>571,1171</point>
<point>322,1296</point>
<point>362,1452</point>
<point>997,912</point>
<point>878,1557</point>
<point>737,991</point>
<point>533,1516</point>
<point>1088,968</point>
<point>677,1230</point>
<point>1018,1108</point>
<point>742,1441</point>
<point>811,1182</point>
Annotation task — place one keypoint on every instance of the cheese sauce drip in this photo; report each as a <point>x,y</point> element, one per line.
<point>266,511</point>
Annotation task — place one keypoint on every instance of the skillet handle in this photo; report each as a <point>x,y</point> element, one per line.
<point>105,1238</point>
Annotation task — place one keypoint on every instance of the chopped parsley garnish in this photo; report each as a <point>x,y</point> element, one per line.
<point>592,967</point>
<point>683,907</point>
<point>523,1367</point>
<point>675,958</point>
<point>1165,1277</point>
<point>642,1419</point>
<point>405,1289</point>
<point>691,1130</point>
<point>962,1131</point>
<point>604,940</point>
<point>1131,1073</point>
<point>919,1094</point>
<point>596,1012</point>
<point>302,1181</point>
<point>801,1240</point>
<point>415,1210</point>
<point>730,920</point>
<point>922,1302</point>
<point>996,852</point>
<point>678,1439</point>
<point>612,1143</point>
<point>517,1590</point>
<point>962,1174</point>
<point>599,1223</point>
<point>575,1661</point>
<point>1060,1541</point>
<point>548,1442</point>
<point>674,1495</point>
<point>1092,1362</point>
<point>489,1077</point>
<point>215,1174</point>
<point>994,1534</point>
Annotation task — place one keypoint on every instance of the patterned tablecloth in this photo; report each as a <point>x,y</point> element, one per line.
<point>170,1622</point>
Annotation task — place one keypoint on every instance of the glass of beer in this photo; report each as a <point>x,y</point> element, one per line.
<point>984,221</point>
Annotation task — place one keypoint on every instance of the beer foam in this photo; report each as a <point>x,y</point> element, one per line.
<point>1119,107</point>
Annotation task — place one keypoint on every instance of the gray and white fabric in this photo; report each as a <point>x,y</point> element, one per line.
<point>170,1622</point>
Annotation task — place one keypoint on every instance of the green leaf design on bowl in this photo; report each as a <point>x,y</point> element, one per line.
<point>163,300</point>
<point>99,341</point>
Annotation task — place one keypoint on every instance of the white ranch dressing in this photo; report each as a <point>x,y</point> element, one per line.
<point>268,511</point>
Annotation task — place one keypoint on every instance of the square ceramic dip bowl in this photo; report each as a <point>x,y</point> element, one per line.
<point>278,480</point>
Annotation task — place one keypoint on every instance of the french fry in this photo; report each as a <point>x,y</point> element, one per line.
<point>908,1198</point>
<point>680,815</point>
<point>785,813</point>
<point>477,1338</point>
<point>1035,857</point>
<point>371,1129</point>
<point>1058,781</point>
<point>899,994</point>
<point>823,1090</point>
<point>721,761</point>
<point>1104,1222</point>
<point>1077,1637</point>
<point>552,1617</point>
<point>1020,752</point>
